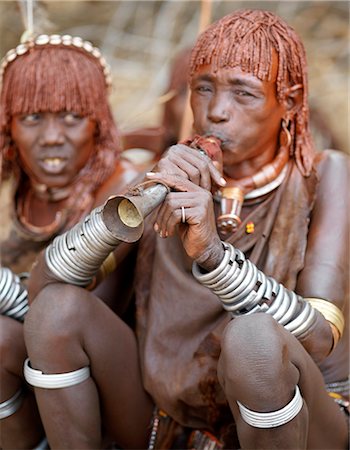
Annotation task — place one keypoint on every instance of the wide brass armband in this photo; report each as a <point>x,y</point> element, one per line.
<point>332,314</point>
<point>108,265</point>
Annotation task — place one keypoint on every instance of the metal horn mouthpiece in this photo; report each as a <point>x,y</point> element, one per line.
<point>231,202</point>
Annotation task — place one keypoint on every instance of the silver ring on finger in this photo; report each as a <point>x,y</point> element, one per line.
<point>183,214</point>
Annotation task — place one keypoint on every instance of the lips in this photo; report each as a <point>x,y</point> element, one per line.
<point>53,165</point>
<point>219,136</point>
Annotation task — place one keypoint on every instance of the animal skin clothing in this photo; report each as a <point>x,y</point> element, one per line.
<point>180,322</point>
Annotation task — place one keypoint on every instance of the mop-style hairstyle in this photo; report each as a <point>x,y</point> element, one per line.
<point>60,77</point>
<point>247,38</point>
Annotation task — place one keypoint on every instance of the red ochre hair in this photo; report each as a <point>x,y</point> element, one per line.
<point>53,78</point>
<point>246,38</point>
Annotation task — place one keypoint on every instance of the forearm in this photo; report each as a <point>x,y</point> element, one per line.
<point>82,256</point>
<point>243,289</point>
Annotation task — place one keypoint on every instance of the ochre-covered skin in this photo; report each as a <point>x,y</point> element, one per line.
<point>60,151</point>
<point>189,357</point>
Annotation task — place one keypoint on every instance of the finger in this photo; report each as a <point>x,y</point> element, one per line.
<point>175,182</point>
<point>216,175</point>
<point>194,172</point>
<point>172,205</point>
<point>206,165</point>
<point>183,217</point>
<point>199,167</point>
<point>170,168</point>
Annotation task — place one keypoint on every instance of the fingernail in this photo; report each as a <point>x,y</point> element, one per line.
<point>223,181</point>
<point>156,227</point>
<point>150,174</point>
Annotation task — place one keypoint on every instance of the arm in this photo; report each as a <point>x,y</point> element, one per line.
<point>326,269</point>
<point>226,277</point>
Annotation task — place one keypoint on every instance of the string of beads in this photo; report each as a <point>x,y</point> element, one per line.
<point>56,39</point>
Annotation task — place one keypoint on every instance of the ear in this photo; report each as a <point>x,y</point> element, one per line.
<point>293,99</point>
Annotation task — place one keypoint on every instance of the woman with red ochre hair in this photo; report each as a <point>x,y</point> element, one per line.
<point>60,154</point>
<point>241,277</point>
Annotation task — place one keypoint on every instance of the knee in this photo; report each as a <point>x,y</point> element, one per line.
<point>254,353</point>
<point>55,316</point>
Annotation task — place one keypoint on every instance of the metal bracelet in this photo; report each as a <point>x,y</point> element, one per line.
<point>13,294</point>
<point>243,289</point>
<point>275,418</point>
<point>76,256</point>
<point>11,405</point>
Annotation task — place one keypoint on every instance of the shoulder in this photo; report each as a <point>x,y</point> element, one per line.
<point>332,163</point>
<point>332,168</point>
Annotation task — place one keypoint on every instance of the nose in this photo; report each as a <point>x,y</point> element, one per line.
<point>51,132</point>
<point>218,110</point>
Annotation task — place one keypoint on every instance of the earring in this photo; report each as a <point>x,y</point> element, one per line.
<point>285,138</point>
<point>9,152</point>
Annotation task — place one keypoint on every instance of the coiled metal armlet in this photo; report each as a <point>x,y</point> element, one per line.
<point>244,289</point>
<point>13,294</point>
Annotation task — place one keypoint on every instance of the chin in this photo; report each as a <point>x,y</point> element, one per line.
<point>231,157</point>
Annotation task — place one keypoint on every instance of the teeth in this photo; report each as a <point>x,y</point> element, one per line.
<point>53,161</point>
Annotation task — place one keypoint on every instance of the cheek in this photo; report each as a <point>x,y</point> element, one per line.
<point>199,109</point>
<point>24,144</point>
<point>21,138</point>
<point>84,146</point>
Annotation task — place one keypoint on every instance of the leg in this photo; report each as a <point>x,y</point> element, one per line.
<point>66,329</point>
<point>260,365</point>
<point>22,428</point>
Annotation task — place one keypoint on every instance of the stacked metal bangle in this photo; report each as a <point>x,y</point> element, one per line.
<point>243,289</point>
<point>13,295</point>
<point>76,256</point>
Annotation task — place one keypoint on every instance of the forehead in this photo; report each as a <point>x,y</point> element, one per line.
<point>233,77</point>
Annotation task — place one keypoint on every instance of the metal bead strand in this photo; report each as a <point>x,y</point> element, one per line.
<point>56,39</point>
<point>76,255</point>
<point>243,289</point>
<point>13,295</point>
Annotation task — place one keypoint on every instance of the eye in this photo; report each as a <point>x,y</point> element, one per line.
<point>243,93</point>
<point>71,118</point>
<point>203,88</point>
<point>31,119</point>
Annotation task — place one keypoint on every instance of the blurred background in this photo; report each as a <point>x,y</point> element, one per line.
<point>140,38</point>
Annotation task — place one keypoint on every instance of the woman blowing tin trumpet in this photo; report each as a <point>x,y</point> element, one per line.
<point>236,332</point>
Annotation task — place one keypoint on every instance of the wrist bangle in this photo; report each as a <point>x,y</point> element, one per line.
<point>244,289</point>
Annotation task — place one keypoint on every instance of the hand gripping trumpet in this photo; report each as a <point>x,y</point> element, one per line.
<point>79,254</point>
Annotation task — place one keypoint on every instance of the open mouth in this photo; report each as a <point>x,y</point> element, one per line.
<point>53,165</point>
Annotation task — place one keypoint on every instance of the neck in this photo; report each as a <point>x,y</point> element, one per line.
<point>248,167</point>
<point>50,194</point>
